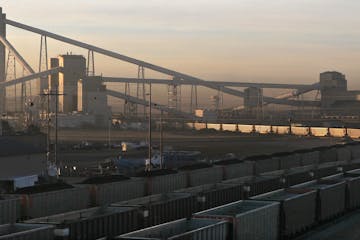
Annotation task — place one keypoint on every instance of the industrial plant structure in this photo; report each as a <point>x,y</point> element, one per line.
<point>80,96</point>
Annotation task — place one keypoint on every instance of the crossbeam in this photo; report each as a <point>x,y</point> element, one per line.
<point>218,83</point>
<point>30,77</point>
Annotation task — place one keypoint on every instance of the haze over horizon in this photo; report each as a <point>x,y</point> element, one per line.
<point>246,40</point>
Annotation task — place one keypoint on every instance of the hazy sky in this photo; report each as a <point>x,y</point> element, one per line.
<point>237,40</point>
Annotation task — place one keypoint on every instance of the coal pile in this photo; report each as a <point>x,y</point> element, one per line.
<point>195,166</point>
<point>228,161</point>
<point>258,157</point>
<point>154,173</point>
<point>43,188</point>
<point>104,179</point>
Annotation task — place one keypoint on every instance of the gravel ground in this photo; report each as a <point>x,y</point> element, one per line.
<point>345,228</point>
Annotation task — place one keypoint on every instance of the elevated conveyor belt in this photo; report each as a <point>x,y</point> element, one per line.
<point>193,80</point>
<point>153,105</point>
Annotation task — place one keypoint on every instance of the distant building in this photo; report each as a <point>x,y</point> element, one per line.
<point>253,102</point>
<point>91,95</point>
<point>333,86</point>
<point>253,97</point>
<point>83,99</point>
<point>207,115</point>
<point>74,68</point>
<point>335,98</point>
<point>54,78</point>
<point>92,100</point>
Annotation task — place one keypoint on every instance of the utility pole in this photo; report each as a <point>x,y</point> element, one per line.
<point>56,94</point>
<point>109,132</point>
<point>56,125</point>
<point>48,140</point>
<point>149,123</point>
<point>161,141</point>
<point>1,126</point>
<point>48,127</point>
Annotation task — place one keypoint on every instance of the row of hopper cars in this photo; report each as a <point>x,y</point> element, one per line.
<point>229,210</point>
<point>127,205</point>
<point>279,214</point>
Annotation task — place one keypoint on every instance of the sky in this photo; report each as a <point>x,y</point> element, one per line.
<point>278,41</point>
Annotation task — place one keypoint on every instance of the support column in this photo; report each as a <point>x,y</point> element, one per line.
<point>2,60</point>
<point>193,99</point>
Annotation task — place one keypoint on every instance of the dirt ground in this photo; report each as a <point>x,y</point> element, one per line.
<point>213,145</point>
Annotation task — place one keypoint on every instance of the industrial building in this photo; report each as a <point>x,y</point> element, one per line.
<point>335,97</point>
<point>92,99</point>
<point>74,68</point>
<point>82,100</point>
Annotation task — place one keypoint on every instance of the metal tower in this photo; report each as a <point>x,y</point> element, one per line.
<point>43,64</point>
<point>217,100</point>
<point>141,90</point>
<point>129,107</point>
<point>43,81</point>
<point>10,74</point>
<point>174,96</point>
